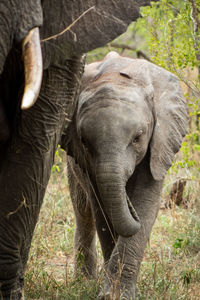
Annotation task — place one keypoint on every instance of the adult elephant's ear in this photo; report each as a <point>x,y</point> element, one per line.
<point>171,121</point>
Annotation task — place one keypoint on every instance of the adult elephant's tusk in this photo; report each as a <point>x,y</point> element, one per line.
<point>33,66</point>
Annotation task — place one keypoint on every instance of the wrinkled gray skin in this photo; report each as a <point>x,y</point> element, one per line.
<point>28,139</point>
<point>129,123</point>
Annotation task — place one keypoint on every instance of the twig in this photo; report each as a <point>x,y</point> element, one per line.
<point>68,27</point>
<point>191,85</point>
<point>23,203</point>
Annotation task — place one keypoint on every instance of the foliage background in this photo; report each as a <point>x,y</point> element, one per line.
<point>168,35</point>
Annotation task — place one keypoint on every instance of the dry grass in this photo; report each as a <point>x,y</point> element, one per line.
<point>171,266</point>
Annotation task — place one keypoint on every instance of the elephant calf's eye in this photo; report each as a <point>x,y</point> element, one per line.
<point>136,139</point>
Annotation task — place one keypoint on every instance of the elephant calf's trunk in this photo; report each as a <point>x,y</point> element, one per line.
<point>115,200</point>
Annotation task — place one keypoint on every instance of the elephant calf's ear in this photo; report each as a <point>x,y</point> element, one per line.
<point>171,124</point>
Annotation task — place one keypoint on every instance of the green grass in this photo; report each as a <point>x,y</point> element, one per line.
<point>171,266</point>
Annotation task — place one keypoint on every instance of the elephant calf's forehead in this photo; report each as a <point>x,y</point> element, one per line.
<point>101,92</point>
<point>111,121</point>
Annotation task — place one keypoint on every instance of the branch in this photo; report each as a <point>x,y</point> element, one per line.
<point>191,85</point>
<point>195,13</point>
<point>139,53</point>
<point>196,26</point>
<point>175,10</point>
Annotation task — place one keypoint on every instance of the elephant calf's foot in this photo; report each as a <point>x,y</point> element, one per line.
<point>115,296</point>
<point>88,273</point>
<point>114,292</point>
<point>86,264</point>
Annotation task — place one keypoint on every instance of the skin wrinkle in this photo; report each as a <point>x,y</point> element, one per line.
<point>125,7</point>
<point>107,16</point>
<point>110,17</point>
<point>99,99</point>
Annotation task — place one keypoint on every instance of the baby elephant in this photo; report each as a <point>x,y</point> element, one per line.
<point>130,120</point>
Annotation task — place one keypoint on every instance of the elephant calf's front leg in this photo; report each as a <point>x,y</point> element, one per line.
<point>84,245</point>
<point>84,240</point>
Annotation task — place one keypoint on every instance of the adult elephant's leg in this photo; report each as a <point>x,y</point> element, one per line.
<point>128,253</point>
<point>84,240</point>
<point>26,170</point>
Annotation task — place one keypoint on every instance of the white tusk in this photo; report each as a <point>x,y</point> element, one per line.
<point>33,68</point>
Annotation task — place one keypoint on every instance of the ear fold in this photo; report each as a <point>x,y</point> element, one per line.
<point>171,123</point>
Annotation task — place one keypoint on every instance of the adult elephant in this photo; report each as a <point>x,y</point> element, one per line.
<point>129,123</point>
<point>30,137</point>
